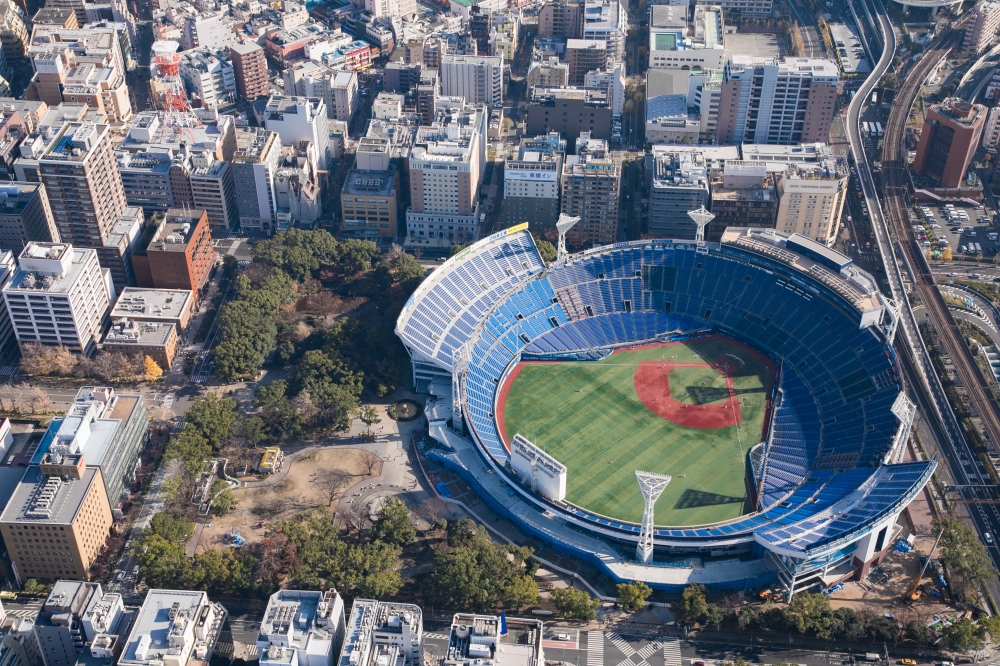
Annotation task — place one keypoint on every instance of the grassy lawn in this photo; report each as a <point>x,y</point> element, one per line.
<point>589,417</point>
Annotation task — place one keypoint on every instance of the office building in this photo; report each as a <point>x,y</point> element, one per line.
<point>478,79</point>
<point>70,507</point>
<point>18,646</point>
<point>393,8</point>
<point>607,21</point>
<point>613,81</point>
<point>531,183</point>
<point>948,140</point>
<point>208,77</point>
<point>59,629</point>
<point>591,182</point>
<point>116,253</point>
<point>981,27</point>
<point>583,56</point>
<point>338,89</point>
<point>766,100</point>
<point>401,77</point>
<point>68,293</point>
<point>213,191</point>
<point>803,153</point>
<point>745,196</point>
<point>812,199</point>
<point>673,45</point>
<point>55,17</point>
<point>445,170</point>
<point>570,112</point>
<point>13,33</point>
<point>383,633</point>
<point>345,96</point>
<point>157,341</point>
<point>503,641</point>
<point>83,183</point>
<point>25,216</point>
<point>101,429</point>
<point>369,201</point>
<point>177,253</point>
<point>253,169</point>
<point>301,628</point>
<point>680,183</point>
<point>547,72</point>
<point>174,628</point>
<point>156,306</point>
<point>250,70</point>
<point>427,93</point>
<point>561,18</point>
<point>742,8</point>
<point>668,121</point>
<point>297,119</point>
<point>102,615</point>
<point>30,111</point>
<point>7,269</point>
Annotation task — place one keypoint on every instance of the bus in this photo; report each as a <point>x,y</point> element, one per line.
<point>874,97</point>
<point>878,129</point>
<point>868,129</point>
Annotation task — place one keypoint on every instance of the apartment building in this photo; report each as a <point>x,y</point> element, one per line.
<point>59,295</point>
<point>208,77</point>
<point>13,33</point>
<point>744,196</point>
<point>213,191</point>
<point>561,18</point>
<point>25,216</point>
<point>591,184</point>
<point>250,70</point>
<point>253,169</point>
<point>297,119</point>
<point>301,628</point>
<point>570,112</point>
<point>583,56</point>
<point>176,627</point>
<point>547,72</point>
<point>59,630</point>
<point>478,79</point>
<point>531,183</point>
<point>949,137</point>
<point>379,632</point>
<point>606,21</point>
<point>56,525</point>
<point>981,28</point>
<point>680,183</point>
<point>177,253</point>
<point>83,183</point>
<point>812,200</point>
<point>338,89</point>
<point>767,100</point>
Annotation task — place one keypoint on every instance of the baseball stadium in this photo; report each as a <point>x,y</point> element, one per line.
<point>729,413</point>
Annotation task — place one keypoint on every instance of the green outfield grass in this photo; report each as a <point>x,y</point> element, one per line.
<point>588,416</point>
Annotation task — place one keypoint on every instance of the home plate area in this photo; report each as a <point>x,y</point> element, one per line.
<point>665,651</point>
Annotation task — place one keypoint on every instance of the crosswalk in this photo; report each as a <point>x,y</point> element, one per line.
<point>25,614</point>
<point>433,636</point>
<point>595,648</point>
<point>252,650</point>
<point>671,652</point>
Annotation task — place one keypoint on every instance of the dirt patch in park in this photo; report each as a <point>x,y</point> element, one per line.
<point>300,490</point>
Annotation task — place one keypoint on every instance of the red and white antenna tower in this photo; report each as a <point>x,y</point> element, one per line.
<point>178,118</point>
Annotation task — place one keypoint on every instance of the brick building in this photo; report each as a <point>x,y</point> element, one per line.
<point>178,253</point>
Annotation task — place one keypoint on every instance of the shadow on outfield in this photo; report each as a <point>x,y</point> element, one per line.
<point>703,395</point>
<point>693,499</point>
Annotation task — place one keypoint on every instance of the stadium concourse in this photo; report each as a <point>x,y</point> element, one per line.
<point>828,487</point>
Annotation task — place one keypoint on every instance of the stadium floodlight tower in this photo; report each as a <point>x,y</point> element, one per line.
<point>701,217</point>
<point>652,486</point>
<point>564,224</point>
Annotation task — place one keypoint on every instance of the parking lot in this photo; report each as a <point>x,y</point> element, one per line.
<point>849,51</point>
<point>966,230</point>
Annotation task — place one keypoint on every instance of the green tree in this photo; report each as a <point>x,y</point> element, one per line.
<point>991,625</point>
<point>889,80</point>
<point>224,500</point>
<point>162,563</point>
<point>547,250</point>
<point>964,635</point>
<point>191,448</point>
<point>694,603</point>
<point>354,256</point>
<point>393,525</point>
<point>369,416</point>
<point>571,602</point>
<point>809,612</point>
<point>32,587</point>
<point>969,565</point>
<point>521,591</point>
<point>173,527</point>
<point>633,595</point>
<point>297,252</point>
<point>713,616</point>
<point>455,249</point>
<point>213,417</point>
<point>462,533</point>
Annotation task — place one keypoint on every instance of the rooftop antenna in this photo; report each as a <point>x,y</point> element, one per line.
<point>652,486</point>
<point>701,217</point>
<point>564,224</point>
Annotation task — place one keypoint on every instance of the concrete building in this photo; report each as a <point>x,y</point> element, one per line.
<point>25,216</point>
<point>812,200</point>
<point>401,77</point>
<point>478,79</point>
<point>743,8</point>
<point>297,119</point>
<point>253,178</point>
<point>532,181</point>
<point>981,28</point>
<point>383,632</point>
<point>59,629</point>
<point>116,253</point>
<point>156,306</point>
<point>547,72</point>
<point>672,45</point>
<point>668,121</point>
<point>393,8</point>
<point>157,341</point>
<point>208,77</point>
<point>680,184</point>
<point>13,33</point>
<point>583,56</point>
<point>607,21</point>
<point>474,637</point>
<point>369,201</point>
<point>175,628</point>
<point>7,269</point>
<point>745,196</point>
<point>250,70</point>
<point>570,112</point>
<point>445,170</point>
<point>177,253</point>
<point>102,615</point>
<point>345,96</point>
<point>949,137</point>
<point>55,17</point>
<point>338,89</point>
<point>301,628</point>
<point>71,507</point>
<point>427,94</point>
<point>18,646</point>
<point>68,293</point>
<point>83,183</point>
<point>561,18</point>
<point>613,81</point>
<point>101,429</point>
<point>991,131</point>
<point>591,184</point>
<point>766,100</point>
<point>213,191</point>
<point>206,29</point>
<point>803,153</point>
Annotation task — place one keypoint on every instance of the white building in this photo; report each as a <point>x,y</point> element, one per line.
<point>475,639</point>
<point>338,89</point>
<point>991,131</point>
<point>812,199</point>
<point>173,628</point>
<point>404,9</point>
<point>606,20</point>
<point>614,81</point>
<point>209,79</point>
<point>478,79</point>
<point>300,119</point>
<point>301,628</point>
<point>102,616</point>
<point>59,295</point>
<point>745,8</point>
<point>205,29</point>
<point>383,633</point>
<point>258,152</point>
<point>981,29</point>
<point>345,95</point>
<point>672,45</point>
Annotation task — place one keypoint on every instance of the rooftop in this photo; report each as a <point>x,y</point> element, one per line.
<point>75,142</point>
<point>592,96</point>
<point>175,232</point>
<point>369,627</point>
<point>15,197</point>
<point>370,183</point>
<point>168,304</point>
<point>476,640</point>
<point>47,268</point>
<point>173,626</point>
<point>253,143</point>
<point>813,67</point>
<point>126,332</point>
<point>305,621</point>
<point>51,500</point>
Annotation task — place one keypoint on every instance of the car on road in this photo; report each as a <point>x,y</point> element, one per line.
<point>952,274</point>
<point>563,637</point>
<point>974,276</point>
<point>988,537</point>
<point>908,662</point>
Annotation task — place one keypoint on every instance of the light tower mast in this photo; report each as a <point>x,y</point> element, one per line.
<point>652,486</point>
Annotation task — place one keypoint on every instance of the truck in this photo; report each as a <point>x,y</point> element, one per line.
<point>871,656</point>
<point>874,97</point>
<point>878,129</point>
<point>868,128</point>
<point>979,248</point>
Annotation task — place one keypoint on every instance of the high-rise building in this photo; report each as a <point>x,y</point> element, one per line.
<point>812,200</point>
<point>445,169</point>
<point>187,623</point>
<point>607,21</point>
<point>318,635</point>
<point>948,140</point>
<point>68,504</point>
<point>478,79</point>
<point>382,630</point>
<point>744,196</point>
<point>59,629</point>
<point>83,183</point>
<point>591,184</point>
<point>250,70</point>
<point>570,112</point>
<point>561,18</point>
<point>13,33</point>
<point>7,268</point>
<point>59,295</point>
<point>345,96</point>
<point>767,100</point>
<point>531,183</point>
<point>583,56</point>
<point>212,190</point>
<point>209,78</point>
<point>680,183</point>
<point>116,253</point>
<point>256,160</point>
<point>297,119</point>
<point>178,254</point>
<point>981,27</point>
<point>25,216</point>
<point>338,89</point>
<point>369,200</point>
<point>427,93</point>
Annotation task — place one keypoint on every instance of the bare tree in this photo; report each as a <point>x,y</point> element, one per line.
<point>370,461</point>
<point>331,482</point>
<point>35,399</point>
